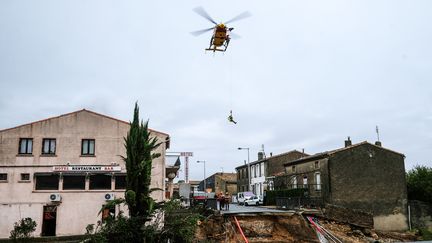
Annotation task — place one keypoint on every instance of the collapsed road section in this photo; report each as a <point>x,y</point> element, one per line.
<point>256,227</point>
<point>288,226</point>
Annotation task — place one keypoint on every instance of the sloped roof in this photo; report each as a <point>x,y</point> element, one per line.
<point>331,152</point>
<point>78,111</point>
<point>272,157</point>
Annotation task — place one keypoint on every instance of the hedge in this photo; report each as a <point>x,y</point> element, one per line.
<point>270,198</point>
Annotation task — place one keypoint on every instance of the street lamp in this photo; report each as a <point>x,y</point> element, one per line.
<point>249,172</point>
<point>203,161</point>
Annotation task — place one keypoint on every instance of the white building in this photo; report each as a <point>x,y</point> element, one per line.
<point>258,177</point>
<point>60,171</point>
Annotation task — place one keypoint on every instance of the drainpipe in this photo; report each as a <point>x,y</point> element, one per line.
<point>409,216</point>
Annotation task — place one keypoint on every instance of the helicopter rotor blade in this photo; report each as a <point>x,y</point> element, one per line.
<point>204,14</point>
<point>200,32</point>
<point>234,35</point>
<point>240,16</point>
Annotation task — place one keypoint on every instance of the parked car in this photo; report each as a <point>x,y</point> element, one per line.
<point>253,201</point>
<point>242,196</point>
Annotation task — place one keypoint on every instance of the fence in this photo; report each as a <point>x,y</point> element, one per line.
<point>299,202</point>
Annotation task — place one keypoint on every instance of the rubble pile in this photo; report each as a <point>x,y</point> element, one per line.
<point>349,233</point>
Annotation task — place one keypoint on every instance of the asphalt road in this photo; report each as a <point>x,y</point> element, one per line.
<point>236,209</point>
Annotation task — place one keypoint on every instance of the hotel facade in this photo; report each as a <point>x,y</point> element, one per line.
<point>60,171</point>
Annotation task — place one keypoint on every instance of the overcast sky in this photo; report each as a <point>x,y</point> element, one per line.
<point>305,74</point>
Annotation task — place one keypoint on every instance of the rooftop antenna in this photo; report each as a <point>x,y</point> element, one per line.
<point>377,132</point>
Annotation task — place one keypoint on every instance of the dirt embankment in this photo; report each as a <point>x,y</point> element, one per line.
<point>257,228</point>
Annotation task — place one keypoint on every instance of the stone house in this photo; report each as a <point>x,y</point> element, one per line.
<point>220,182</point>
<point>61,170</point>
<point>263,170</point>
<point>360,176</point>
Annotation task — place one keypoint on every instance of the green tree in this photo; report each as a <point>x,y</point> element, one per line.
<point>139,155</point>
<point>419,183</point>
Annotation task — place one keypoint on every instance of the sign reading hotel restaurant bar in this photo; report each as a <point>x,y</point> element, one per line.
<point>86,168</point>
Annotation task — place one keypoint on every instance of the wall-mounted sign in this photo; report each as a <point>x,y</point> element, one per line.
<point>86,168</point>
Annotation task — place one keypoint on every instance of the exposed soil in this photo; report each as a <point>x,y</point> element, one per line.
<point>287,228</point>
<point>257,228</point>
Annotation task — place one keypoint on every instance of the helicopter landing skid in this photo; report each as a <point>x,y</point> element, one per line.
<point>215,49</point>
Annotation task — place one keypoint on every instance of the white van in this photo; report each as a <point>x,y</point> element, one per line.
<point>242,196</point>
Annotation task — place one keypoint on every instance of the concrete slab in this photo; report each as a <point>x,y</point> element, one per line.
<point>238,209</point>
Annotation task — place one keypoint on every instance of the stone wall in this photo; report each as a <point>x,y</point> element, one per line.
<point>371,179</point>
<point>421,214</point>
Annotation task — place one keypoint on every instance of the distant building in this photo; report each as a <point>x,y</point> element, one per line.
<point>60,171</point>
<point>263,170</point>
<point>194,185</point>
<point>220,182</point>
<point>362,176</point>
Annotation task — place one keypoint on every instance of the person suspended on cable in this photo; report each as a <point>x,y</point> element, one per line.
<point>231,119</point>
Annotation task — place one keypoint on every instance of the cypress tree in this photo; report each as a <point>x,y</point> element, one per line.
<point>139,155</point>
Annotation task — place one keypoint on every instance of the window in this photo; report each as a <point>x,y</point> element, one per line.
<point>120,182</point>
<point>3,176</point>
<point>262,169</point>
<point>293,168</point>
<point>25,146</point>
<point>317,165</point>
<point>25,176</point>
<point>47,182</point>
<point>305,182</point>
<point>74,182</point>
<point>294,182</point>
<point>260,172</point>
<point>88,147</point>
<point>318,181</point>
<point>100,182</point>
<point>48,146</point>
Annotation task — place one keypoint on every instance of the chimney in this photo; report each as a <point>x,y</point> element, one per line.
<point>378,143</point>
<point>271,154</point>
<point>260,155</point>
<point>348,142</point>
<point>245,161</point>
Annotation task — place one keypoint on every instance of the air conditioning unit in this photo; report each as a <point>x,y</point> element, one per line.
<point>55,197</point>
<point>109,196</point>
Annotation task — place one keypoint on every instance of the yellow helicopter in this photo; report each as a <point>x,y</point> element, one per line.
<point>221,33</point>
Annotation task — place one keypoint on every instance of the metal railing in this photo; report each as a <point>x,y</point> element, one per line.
<point>299,202</point>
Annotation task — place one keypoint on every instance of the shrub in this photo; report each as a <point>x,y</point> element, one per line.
<point>180,224</point>
<point>23,230</point>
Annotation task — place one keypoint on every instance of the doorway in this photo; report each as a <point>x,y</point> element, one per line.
<point>49,220</point>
